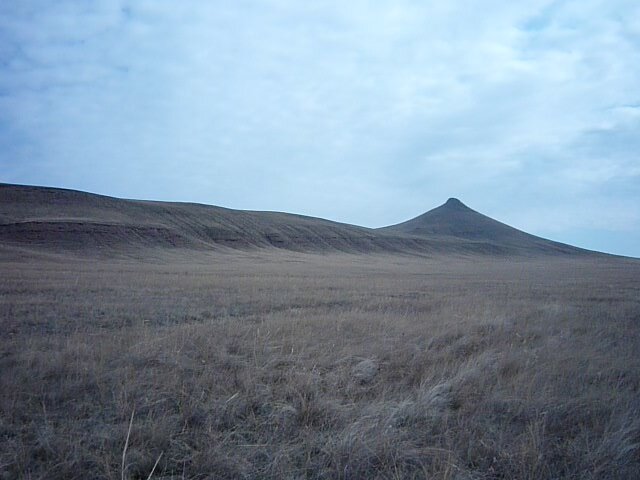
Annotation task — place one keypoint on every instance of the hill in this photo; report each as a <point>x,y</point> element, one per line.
<point>455,220</point>
<point>54,219</point>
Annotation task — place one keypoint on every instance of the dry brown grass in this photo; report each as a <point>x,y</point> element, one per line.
<point>294,366</point>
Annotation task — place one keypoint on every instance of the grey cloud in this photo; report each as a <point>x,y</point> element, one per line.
<point>361,112</point>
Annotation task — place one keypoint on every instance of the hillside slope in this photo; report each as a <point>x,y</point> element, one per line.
<point>457,221</point>
<point>42,217</point>
<point>55,219</point>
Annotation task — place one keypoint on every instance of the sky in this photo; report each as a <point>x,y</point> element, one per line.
<point>365,112</point>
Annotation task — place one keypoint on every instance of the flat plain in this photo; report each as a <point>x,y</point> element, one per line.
<point>276,364</point>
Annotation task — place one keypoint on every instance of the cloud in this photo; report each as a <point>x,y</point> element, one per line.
<point>357,111</point>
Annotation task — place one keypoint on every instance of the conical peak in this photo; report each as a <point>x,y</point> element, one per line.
<point>454,203</point>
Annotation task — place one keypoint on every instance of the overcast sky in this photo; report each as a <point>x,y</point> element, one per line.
<point>366,112</point>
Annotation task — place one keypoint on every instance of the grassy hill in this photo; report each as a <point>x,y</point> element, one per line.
<point>52,219</point>
<point>454,220</point>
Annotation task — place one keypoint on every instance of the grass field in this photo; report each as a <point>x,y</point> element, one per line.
<point>282,365</point>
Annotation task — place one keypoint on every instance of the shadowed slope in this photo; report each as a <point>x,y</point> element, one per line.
<point>58,219</point>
